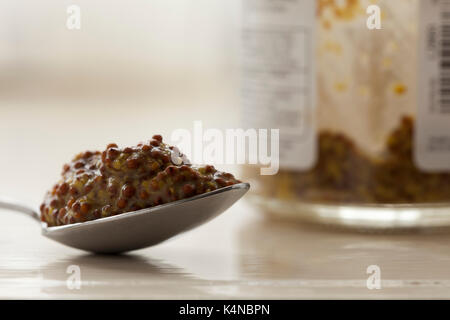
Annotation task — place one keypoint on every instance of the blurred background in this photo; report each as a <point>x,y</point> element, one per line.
<point>135,68</point>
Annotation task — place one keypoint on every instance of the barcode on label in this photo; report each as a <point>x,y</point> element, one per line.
<point>444,100</point>
<point>432,136</point>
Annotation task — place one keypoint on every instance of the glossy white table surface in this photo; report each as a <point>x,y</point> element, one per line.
<point>238,255</point>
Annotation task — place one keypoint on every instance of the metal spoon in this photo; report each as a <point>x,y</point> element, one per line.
<point>142,228</point>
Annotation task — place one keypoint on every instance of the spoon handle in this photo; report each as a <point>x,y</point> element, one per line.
<point>6,203</point>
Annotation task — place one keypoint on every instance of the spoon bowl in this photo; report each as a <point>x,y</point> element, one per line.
<point>142,228</point>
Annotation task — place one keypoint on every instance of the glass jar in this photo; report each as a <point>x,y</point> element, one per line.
<point>379,122</point>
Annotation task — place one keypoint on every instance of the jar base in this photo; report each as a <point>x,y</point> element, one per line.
<point>366,218</point>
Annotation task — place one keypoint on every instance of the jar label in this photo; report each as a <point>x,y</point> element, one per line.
<point>432,139</point>
<point>278,75</point>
